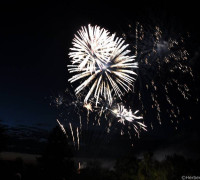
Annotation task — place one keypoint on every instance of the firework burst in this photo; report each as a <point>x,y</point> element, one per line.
<point>101,62</point>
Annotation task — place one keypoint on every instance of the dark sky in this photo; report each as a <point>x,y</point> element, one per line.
<point>34,42</point>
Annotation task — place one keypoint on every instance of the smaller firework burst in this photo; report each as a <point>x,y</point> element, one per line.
<point>127,115</point>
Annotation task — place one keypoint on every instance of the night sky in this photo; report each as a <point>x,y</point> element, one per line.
<point>34,43</point>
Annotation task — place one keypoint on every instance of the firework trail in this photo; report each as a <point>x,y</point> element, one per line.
<point>72,133</point>
<point>101,62</point>
<point>69,108</point>
<point>62,127</point>
<point>78,141</point>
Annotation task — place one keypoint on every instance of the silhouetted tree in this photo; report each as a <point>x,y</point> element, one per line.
<point>127,168</point>
<point>178,166</point>
<point>145,170</point>
<point>56,162</point>
<point>95,171</point>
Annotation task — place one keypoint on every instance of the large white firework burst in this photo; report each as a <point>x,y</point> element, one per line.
<point>103,64</point>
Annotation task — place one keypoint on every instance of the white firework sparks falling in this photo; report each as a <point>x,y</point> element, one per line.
<point>102,62</point>
<point>163,67</point>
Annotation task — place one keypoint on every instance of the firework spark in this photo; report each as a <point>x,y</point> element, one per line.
<point>88,107</point>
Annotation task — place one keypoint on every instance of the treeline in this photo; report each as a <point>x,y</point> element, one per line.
<point>57,163</point>
<point>127,168</point>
